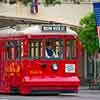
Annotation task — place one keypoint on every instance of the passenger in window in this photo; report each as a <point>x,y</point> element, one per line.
<point>49,52</point>
<point>60,52</point>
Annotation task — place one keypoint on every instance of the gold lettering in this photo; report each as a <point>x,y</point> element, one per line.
<point>35,72</point>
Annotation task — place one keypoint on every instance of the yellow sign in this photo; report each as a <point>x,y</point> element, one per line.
<point>13,67</point>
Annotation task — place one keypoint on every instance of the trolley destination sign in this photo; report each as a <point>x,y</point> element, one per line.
<point>54,28</point>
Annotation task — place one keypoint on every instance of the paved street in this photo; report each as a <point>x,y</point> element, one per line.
<point>82,95</point>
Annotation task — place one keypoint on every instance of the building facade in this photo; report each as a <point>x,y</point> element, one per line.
<point>67,12</point>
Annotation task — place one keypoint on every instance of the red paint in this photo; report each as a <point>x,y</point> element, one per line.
<point>36,76</point>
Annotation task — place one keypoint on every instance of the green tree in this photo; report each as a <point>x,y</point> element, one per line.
<point>88,34</point>
<point>25,1</point>
<point>52,2</point>
<point>47,2</point>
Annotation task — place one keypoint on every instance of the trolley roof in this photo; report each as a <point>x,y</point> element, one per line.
<point>33,30</point>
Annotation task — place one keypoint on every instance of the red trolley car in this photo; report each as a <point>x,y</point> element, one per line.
<point>39,59</point>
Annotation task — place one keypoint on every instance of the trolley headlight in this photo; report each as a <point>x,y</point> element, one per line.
<point>54,67</point>
<point>70,68</point>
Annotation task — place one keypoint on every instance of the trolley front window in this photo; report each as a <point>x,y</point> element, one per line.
<point>35,49</point>
<point>71,49</point>
<point>54,49</point>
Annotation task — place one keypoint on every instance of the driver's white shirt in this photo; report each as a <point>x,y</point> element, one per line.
<point>53,56</point>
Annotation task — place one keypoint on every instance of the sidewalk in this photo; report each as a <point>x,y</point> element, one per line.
<point>84,88</point>
<point>87,88</point>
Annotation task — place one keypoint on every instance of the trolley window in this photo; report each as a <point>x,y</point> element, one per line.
<point>71,49</point>
<point>54,49</point>
<point>19,49</point>
<point>14,48</point>
<point>9,49</point>
<point>35,49</point>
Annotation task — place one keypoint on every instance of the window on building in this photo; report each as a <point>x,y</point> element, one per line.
<point>19,49</point>
<point>35,49</point>
<point>54,49</point>
<point>71,49</point>
<point>10,50</point>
